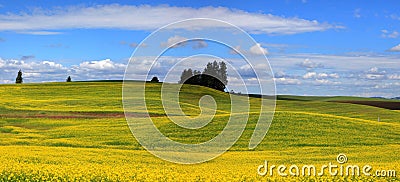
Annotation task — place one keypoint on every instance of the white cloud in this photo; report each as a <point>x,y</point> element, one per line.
<point>147,17</point>
<point>198,44</point>
<point>325,82</point>
<point>175,41</point>
<point>179,41</point>
<point>395,49</point>
<point>280,74</point>
<point>258,50</point>
<point>287,81</point>
<point>310,64</point>
<point>333,75</point>
<point>373,70</point>
<point>44,71</point>
<point>388,34</point>
<point>32,71</point>
<point>309,75</point>
<point>106,64</point>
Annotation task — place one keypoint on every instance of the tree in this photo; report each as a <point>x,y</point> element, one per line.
<point>214,76</point>
<point>154,80</point>
<point>186,74</point>
<point>223,73</point>
<point>69,79</point>
<point>19,77</point>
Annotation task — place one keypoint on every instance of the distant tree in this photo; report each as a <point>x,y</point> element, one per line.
<point>19,77</point>
<point>69,79</point>
<point>154,80</point>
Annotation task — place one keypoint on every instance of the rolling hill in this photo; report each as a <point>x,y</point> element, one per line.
<point>77,131</point>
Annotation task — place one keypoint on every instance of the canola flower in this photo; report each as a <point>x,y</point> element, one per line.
<point>37,163</point>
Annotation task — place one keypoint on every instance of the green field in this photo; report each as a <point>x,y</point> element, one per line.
<point>77,131</point>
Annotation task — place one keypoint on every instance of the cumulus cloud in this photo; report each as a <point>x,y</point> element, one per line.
<point>280,74</point>
<point>106,64</point>
<point>310,64</point>
<point>258,50</point>
<point>373,70</point>
<point>395,49</point>
<point>198,44</point>
<point>325,82</point>
<point>309,75</point>
<point>32,71</point>
<point>44,71</point>
<point>179,41</point>
<point>374,73</point>
<point>287,81</point>
<point>145,17</point>
<point>103,69</point>
<point>175,41</point>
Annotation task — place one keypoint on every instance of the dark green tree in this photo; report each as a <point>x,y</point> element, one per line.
<point>69,79</point>
<point>186,74</point>
<point>154,80</point>
<point>214,76</point>
<point>19,78</point>
<point>223,73</point>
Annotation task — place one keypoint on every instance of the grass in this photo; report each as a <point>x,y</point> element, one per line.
<point>76,131</point>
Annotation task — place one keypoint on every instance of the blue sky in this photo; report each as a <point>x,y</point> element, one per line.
<point>314,47</point>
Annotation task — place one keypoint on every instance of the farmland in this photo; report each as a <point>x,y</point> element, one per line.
<point>77,131</point>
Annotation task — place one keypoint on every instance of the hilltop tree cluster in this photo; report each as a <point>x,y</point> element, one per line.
<point>213,76</point>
